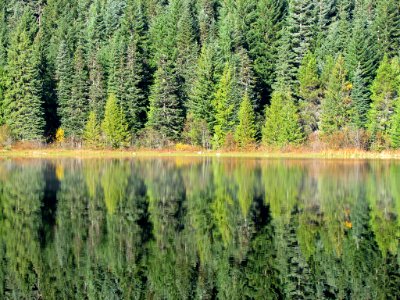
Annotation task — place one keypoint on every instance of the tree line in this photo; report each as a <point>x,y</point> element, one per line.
<point>209,73</point>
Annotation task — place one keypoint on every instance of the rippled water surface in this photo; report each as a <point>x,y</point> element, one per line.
<point>180,228</point>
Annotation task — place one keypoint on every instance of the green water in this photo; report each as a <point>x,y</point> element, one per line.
<point>204,228</point>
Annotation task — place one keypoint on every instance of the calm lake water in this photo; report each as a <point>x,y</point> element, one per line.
<point>187,228</point>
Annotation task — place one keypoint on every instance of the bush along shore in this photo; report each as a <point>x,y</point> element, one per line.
<point>207,74</point>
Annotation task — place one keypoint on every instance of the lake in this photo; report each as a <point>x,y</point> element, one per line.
<point>199,228</point>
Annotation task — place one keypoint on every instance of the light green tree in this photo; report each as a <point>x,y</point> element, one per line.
<point>92,133</point>
<point>282,125</point>
<point>384,94</point>
<point>246,130</point>
<point>114,124</point>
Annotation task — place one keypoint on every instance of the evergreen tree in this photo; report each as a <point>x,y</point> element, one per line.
<point>97,89</point>
<point>265,23</point>
<point>207,19</point>
<point>282,124</point>
<point>300,26</point>
<point>166,112</point>
<point>74,111</point>
<point>337,107</point>
<point>114,125</point>
<point>360,97</point>
<point>309,93</point>
<point>386,27</point>
<point>23,103</point>
<point>64,73</point>
<point>245,132</point>
<point>224,108</point>
<point>92,133</point>
<point>201,95</point>
<point>384,93</point>
<point>133,100</point>
<point>395,126</point>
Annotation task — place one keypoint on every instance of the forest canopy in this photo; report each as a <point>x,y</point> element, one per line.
<point>210,73</point>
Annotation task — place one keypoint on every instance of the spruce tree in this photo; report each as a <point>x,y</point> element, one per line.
<point>384,91</point>
<point>64,73</point>
<point>337,108</point>
<point>245,132</point>
<point>202,92</point>
<point>282,125</point>
<point>92,133</point>
<point>300,25</point>
<point>309,93</point>
<point>386,27</point>
<point>224,108</point>
<point>207,19</point>
<point>114,124</point>
<point>23,103</point>
<point>166,111</point>
<point>265,23</point>
<point>97,89</point>
<point>395,126</point>
<point>75,110</point>
<point>360,96</point>
<point>133,100</point>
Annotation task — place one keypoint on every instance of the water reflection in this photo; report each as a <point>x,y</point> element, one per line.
<point>199,229</point>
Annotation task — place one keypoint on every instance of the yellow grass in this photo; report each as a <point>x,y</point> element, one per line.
<point>328,154</point>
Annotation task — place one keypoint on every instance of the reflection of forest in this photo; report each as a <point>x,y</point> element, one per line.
<point>199,229</point>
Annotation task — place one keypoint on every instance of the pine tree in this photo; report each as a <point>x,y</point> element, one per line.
<point>245,132</point>
<point>166,112</point>
<point>300,26</point>
<point>309,93</point>
<point>133,100</point>
<point>114,124</point>
<point>384,91</point>
<point>265,23</point>
<point>337,109</point>
<point>207,19</point>
<point>23,103</point>
<point>361,98</point>
<point>75,110</point>
<point>64,73</point>
<point>187,48</point>
<point>282,124</point>
<point>201,95</point>
<point>395,126</point>
<point>92,133</point>
<point>386,27</point>
<point>97,89</point>
<point>224,108</point>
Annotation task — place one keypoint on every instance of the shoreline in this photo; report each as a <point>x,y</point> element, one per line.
<point>80,153</point>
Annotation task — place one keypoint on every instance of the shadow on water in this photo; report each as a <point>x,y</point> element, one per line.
<point>186,228</point>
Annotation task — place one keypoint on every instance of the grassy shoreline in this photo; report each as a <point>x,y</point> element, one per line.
<point>65,153</point>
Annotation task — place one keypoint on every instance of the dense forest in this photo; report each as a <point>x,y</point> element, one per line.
<point>210,73</point>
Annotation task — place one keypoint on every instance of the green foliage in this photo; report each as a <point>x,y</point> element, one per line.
<point>201,96</point>
<point>309,93</point>
<point>245,132</point>
<point>114,124</point>
<point>165,61</point>
<point>92,133</point>
<point>223,107</point>
<point>74,107</point>
<point>282,124</point>
<point>337,106</point>
<point>166,112</point>
<point>395,126</point>
<point>23,105</point>
<point>384,94</point>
